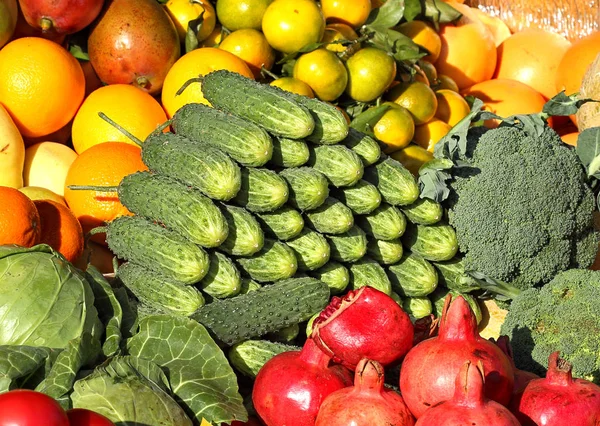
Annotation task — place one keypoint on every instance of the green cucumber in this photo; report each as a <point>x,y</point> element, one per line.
<point>284,335</point>
<point>308,187</point>
<point>245,234</point>
<point>311,249</point>
<point>386,222</point>
<point>438,299</point>
<point>331,126</point>
<point>245,142</point>
<point>349,246</point>
<point>223,278</point>
<point>248,357</point>
<point>199,165</point>
<point>342,166</point>
<point>417,307</point>
<point>413,276</point>
<point>364,146</point>
<point>267,309</point>
<point>396,298</point>
<point>332,217</point>
<point>367,272</point>
<point>283,223</point>
<point>262,190</point>
<point>276,261</point>
<point>264,105</point>
<point>424,211</point>
<point>434,242</point>
<point>289,152</point>
<point>335,275</point>
<point>397,185</point>
<point>453,276</point>
<point>361,198</point>
<point>385,252</point>
<point>249,285</point>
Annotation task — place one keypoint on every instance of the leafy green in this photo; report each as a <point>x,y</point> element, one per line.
<point>588,150</point>
<point>18,363</point>
<point>386,16</point>
<point>365,121</point>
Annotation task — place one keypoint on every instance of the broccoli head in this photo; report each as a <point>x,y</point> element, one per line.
<point>521,207</point>
<point>563,316</point>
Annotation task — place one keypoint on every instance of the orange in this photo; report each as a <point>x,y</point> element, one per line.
<point>19,219</point>
<point>41,85</point>
<point>60,229</point>
<point>452,107</point>
<point>445,82</point>
<point>468,53</point>
<point>290,25</point>
<point>184,11</point>
<point>323,71</point>
<point>570,138</point>
<point>370,72</point>
<point>92,81</point>
<point>417,98</point>
<point>395,129</point>
<point>291,84</point>
<point>350,12</point>
<point>104,164</point>
<point>39,193</point>
<point>196,64</point>
<point>338,32</point>
<point>506,98</point>
<point>532,56</point>
<point>575,63</point>
<point>428,69</point>
<point>423,35</point>
<point>252,47</point>
<point>131,108</point>
<point>215,38</point>
<point>412,157</point>
<point>430,133</point>
<point>239,14</point>
<point>497,26</point>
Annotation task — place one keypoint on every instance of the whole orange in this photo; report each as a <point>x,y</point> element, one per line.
<point>323,71</point>
<point>370,73</point>
<point>194,64</point>
<point>131,108</point>
<point>570,138</point>
<point>575,63</point>
<point>468,53</point>
<point>41,85</point>
<point>252,47</point>
<point>184,11</point>
<point>451,106</point>
<point>19,219</point>
<point>417,98</point>
<point>532,56</point>
<point>430,133</point>
<point>291,84</point>
<point>349,12</point>
<point>60,229</point>
<point>104,164</point>
<point>423,35</point>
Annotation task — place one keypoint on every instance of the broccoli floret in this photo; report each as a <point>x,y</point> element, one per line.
<point>521,207</point>
<point>564,316</point>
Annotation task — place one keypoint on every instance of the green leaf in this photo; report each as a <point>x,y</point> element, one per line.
<point>588,150</point>
<point>17,363</point>
<point>129,323</point>
<point>366,120</point>
<point>79,53</point>
<point>198,371</point>
<point>386,16</point>
<point>412,9</point>
<point>532,124</point>
<point>191,36</point>
<point>562,105</point>
<point>453,145</point>
<point>432,179</point>
<point>440,12</point>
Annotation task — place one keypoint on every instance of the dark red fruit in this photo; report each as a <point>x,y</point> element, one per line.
<point>522,377</point>
<point>60,16</point>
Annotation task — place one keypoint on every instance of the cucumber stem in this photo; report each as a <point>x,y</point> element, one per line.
<point>187,83</point>
<point>120,129</point>
<point>98,230</point>
<point>93,188</point>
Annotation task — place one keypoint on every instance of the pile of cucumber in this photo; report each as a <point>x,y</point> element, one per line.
<point>256,211</point>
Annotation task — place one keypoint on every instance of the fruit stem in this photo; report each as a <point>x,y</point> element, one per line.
<point>46,24</point>
<point>369,376</point>
<point>98,230</point>
<point>133,138</point>
<point>187,83</point>
<point>142,81</point>
<point>265,71</point>
<point>93,188</point>
<point>559,370</point>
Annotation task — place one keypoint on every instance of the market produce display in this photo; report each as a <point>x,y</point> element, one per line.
<point>296,213</point>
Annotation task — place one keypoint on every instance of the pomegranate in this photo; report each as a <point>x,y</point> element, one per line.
<point>251,422</point>
<point>60,16</point>
<point>522,377</point>
<point>367,403</point>
<point>365,323</point>
<point>468,406</point>
<point>559,399</point>
<point>429,370</point>
<point>291,386</point>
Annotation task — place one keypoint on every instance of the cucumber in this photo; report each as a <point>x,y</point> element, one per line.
<point>311,249</point>
<point>245,234</point>
<point>331,126</point>
<point>285,335</point>
<point>367,272</point>
<point>262,190</point>
<point>267,106</point>
<point>267,309</point>
<point>283,223</point>
<point>244,141</point>
<point>248,357</point>
<point>424,211</point>
<point>341,166</point>
<point>349,246</point>
<point>276,261</point>
<point>223,278</point>
<point>396,298</point>
<point>453,276</point>
<point>438,298</point>
<point>248,285</point>
<point>157,249</point>
<point>434,242</point>
<point>308,187</point>
<point>289,152</point>
<point>361,198</point>
<point>200,165</point>
<point>385,252</point>
<point>417,307</point>
<point>177,206</point>
<point>364,146</point>
<point>158,292</point>
<point>386,222</point>
<point>413,276</point>
<point>332,217</point>
<point>310,322</point>
<point>396,184</point>
<point>335,275</point>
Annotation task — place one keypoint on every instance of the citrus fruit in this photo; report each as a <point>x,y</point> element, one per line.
<point>41,85</point>
<point>430,133</point>
<point>428,69</point>
<point>506,97</point>
<point>39,193</point>
<point>350,12</point>
<point>104,164</point>
<point>417,98</point>
<point>445,82</point>
<point>370,72</point>
<point>575,63</point>
<point>215,38</point>
<point>423,35</point>
<point>468,53</point>
<point>239,14</point>
<point>291,84</point>
<point>289,25</point>
<point>570,138</point>
<point>395,129</point>
<point>452,107</point>
<point>338,32</point>
<point>131,108</point>
<point>184,11</point>
<point>60,229</point>
<point>252,47</point>
<point>47,165</point>
<point>19,219</point>
<point>497,26</point>
<point>92,81</point>
<point>62,136</point>
<point>532,56</point>
<point>194,64</point>
<point>323,71</point>
<point>412,157</point>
